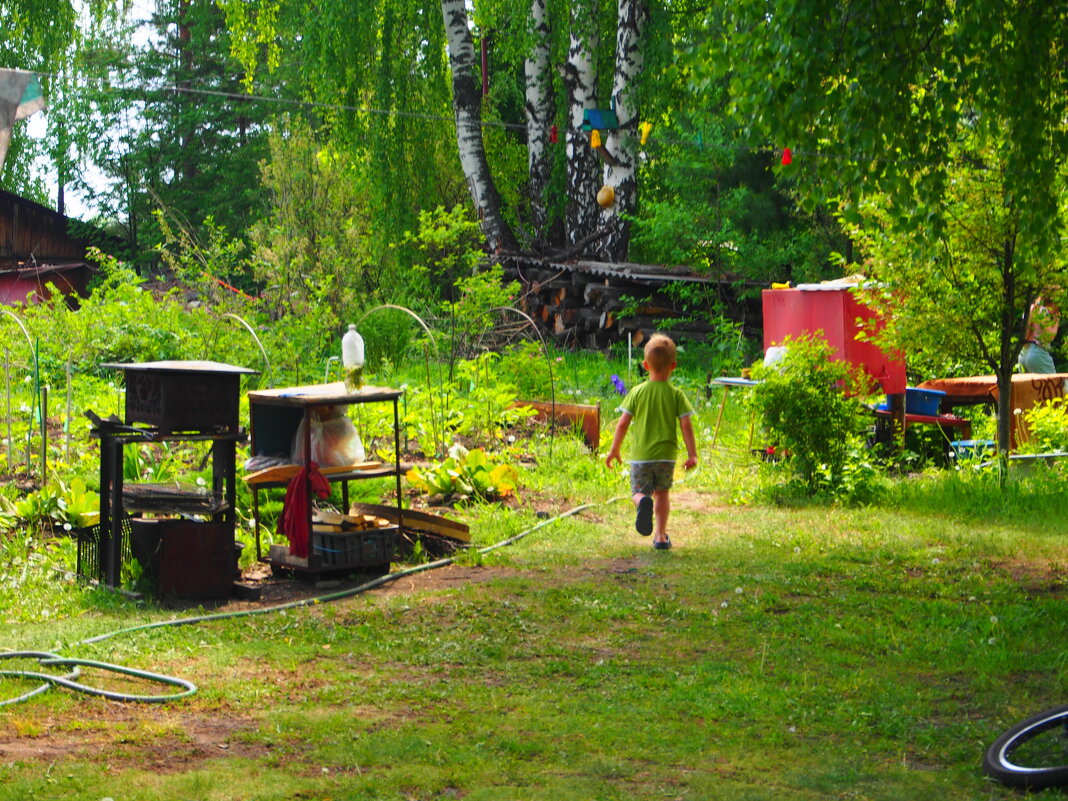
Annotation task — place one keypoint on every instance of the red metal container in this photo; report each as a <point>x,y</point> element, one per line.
<point>834,312</point>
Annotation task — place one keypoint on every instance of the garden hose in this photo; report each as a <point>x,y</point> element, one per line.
<point>46,659</point>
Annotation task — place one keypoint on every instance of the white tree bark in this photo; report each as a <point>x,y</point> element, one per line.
<point>623,142</point>
<point>466,101</point>
<point>583,165</point>
<point>540,111</point>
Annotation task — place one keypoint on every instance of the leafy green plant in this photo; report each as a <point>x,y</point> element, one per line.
<point>57,504</point>
<point>466,474</point>
<point>804,408</point>
<point>1048,427</point>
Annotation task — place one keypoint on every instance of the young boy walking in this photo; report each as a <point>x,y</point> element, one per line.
<point>653,406</point>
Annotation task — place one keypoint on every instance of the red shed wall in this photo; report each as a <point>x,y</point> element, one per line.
<point>793,312</point>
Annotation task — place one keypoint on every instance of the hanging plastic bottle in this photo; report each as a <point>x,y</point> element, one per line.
<point>352,358</point>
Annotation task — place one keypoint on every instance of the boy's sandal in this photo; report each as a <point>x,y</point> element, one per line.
<point>662,545</point>
<point>644,520</point>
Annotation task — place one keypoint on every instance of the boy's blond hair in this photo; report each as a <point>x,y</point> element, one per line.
<point>660,352</point>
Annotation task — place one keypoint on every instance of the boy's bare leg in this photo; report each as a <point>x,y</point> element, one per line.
<point>661,510</point>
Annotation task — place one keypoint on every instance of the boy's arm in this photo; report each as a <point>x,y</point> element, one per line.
<point>617,439</point>
<point>686,424</point>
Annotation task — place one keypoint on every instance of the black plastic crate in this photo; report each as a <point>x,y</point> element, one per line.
<point>90,560</point>
<point>355,548</point>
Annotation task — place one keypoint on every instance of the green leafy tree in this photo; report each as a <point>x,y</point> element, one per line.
<point>49,37</point>
<point>956,112</point>
<point>184,141</point>
<point>960,295</point>
<point>310,252</point>
<point>874,96</point>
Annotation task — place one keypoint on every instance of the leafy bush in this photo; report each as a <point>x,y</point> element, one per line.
<point>466,474</point>
<point>813,425</point>
<point>1048,427</point>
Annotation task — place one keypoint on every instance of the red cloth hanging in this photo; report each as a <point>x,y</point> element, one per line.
<point>294,520</point>
<point>787,155</point>
<point>554,135</point>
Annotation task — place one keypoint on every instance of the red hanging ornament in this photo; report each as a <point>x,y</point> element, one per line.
<point>787,155</point>
<point>554,136</point>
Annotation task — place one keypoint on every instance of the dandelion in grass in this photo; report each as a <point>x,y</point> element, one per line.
<point>723,605</point>
<point>738,590</point>
<point>994,619</point>
<point>992,641</point>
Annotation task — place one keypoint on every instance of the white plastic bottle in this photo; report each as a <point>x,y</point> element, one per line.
<point>352,358</point>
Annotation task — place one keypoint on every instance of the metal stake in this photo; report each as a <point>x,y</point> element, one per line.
<point>44,434</point>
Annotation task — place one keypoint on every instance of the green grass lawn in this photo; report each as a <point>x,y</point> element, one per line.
<point>806,652</point>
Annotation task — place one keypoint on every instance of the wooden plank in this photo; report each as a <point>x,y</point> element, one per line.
<point>416,521</point>
<point>284,472</point>
<point>585,416</point>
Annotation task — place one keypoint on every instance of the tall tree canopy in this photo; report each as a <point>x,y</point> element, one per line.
<point>955,113</point>
<point>872,95</point>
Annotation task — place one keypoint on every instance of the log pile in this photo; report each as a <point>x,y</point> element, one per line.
<point>591,305</point>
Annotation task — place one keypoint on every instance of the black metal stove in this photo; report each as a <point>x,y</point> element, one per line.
<point>187,538</point>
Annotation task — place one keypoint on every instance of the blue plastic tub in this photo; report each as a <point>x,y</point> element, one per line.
<point>923,401</point>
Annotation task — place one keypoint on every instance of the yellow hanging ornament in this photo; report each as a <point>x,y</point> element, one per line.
<point>595,139</point>
<point>645,127</point>
<point>606,196</point>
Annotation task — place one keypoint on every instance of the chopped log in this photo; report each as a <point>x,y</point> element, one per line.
<point>558,324</point>
<point>587,319</point>
<point>636,322</point>
<point>600,293</point>
<point>608,319</point>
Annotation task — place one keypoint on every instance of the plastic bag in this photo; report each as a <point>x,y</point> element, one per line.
<point>334,441</point>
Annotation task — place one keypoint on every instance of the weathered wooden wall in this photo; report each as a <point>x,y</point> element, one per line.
<point>32,232</point>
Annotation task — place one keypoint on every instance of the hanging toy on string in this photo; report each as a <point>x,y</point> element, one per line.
<point>644,129</point>
<point>594,120</point>
<point>787,157</point>
<point>606,196</point>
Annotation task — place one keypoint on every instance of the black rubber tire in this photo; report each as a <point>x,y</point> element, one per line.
<point>1033,754</point>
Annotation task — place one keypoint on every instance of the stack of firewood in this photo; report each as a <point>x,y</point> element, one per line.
<point>592,309</point>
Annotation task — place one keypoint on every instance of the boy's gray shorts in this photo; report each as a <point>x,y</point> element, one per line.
<point>645,477</point>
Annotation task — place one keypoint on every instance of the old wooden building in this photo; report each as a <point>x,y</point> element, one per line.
<point>37,248</point>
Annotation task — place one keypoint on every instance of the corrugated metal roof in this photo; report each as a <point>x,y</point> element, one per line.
<point>638,272</point>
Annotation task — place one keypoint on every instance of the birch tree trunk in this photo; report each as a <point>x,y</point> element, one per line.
<point>623,142</point>
<point>540,110</point>
<point>466,101</point>
<point>583,165</point>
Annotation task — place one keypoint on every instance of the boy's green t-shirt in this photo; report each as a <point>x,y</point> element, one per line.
<point>655,407</point>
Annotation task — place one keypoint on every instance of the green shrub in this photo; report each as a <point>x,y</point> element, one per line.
<point>814,426</point>
<point>1048,427</point>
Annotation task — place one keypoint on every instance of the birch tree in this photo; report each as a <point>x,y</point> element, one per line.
<point>466,104</point>
<point>622,143</point>
<point>540,109</point>
<point>583,166</point>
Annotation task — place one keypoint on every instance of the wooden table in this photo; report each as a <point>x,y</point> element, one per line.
<point>1028,390</point>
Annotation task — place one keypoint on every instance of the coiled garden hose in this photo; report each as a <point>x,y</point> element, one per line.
<point>47,659</point>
